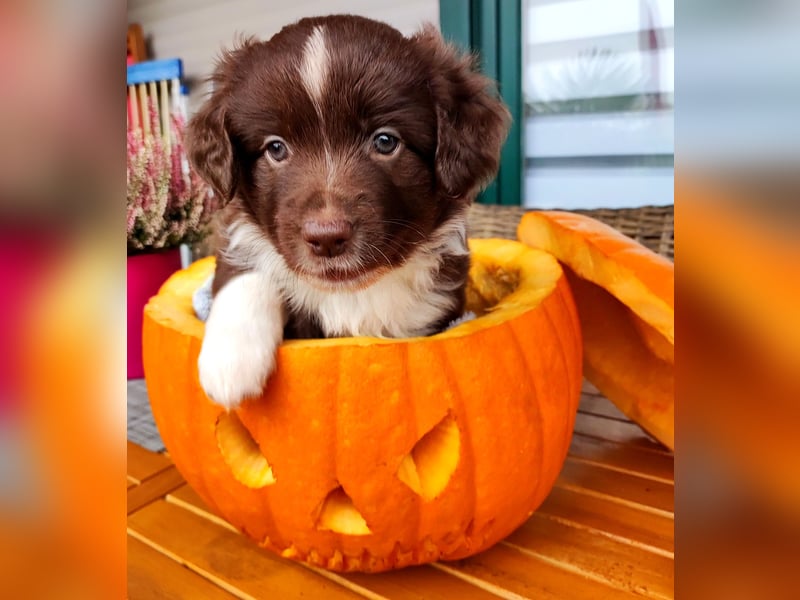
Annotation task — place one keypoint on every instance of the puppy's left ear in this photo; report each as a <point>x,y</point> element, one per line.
<point>207,140</point>
<point>472,120</point>
<point>209,148</point>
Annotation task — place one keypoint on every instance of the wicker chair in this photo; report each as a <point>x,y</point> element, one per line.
<point>652,226</point>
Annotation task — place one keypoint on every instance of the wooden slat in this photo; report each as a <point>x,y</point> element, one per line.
<point>610,518</point>
<point>527,576</point>
<point>153,488</point>
<point>616,486</point>
<point>617,431</point>
<point>154,576</point>
<point>131,482</point>
<point>227,558</point>
<point>144,104</point>
<point>133,114</point>
<point>618,564</point>
<point>420,583</point>
<point>623,457</point>
<point>143,463</point>
<point>186,496</point>
<point>416,582</point>
<point>188,499</point>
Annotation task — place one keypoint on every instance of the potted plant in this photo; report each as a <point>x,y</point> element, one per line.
<point>168,205</point>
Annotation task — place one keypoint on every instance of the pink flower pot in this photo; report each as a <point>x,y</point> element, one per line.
<point>146,273</point>
<point>27,256</point>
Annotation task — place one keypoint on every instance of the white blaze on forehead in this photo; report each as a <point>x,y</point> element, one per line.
<point>314,70</point>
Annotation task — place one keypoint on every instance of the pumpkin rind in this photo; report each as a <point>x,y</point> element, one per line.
<point>340,418</point>
<point>625,298</point>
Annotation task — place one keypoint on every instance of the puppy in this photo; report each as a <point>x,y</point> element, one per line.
<point>348,156</point>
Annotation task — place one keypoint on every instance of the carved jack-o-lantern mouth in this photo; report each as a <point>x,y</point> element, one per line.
<point>338,514</point>
<point>426,469</point>
<point>368,454</point>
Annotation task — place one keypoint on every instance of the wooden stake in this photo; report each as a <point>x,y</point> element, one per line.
<point>134,107</point>
<point>166,121</point>
<point>145,109</point>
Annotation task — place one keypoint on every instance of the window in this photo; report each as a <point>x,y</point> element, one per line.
<point>598,99</point>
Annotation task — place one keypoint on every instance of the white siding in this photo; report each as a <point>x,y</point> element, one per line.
<point>197,30</point>
<point>570,188</point>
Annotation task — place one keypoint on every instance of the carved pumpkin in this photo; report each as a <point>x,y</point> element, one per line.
<point>625,298</point>
<point>371,454</point>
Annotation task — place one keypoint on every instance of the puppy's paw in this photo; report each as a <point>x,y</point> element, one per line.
<point>243,332</point>
<point>232,369</point>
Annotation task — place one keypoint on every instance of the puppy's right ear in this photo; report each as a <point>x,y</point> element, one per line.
<point>207,140</point>
<point>209,148</point>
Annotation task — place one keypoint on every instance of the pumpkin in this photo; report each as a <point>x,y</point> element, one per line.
<point>371,454</point>
<point>625,298</point>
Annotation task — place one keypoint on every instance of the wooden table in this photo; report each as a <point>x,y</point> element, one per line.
<point>605,532</point>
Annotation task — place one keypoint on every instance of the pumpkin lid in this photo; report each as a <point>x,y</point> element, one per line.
<point>638,277</point>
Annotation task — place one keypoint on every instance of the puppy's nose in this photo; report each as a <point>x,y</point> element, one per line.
<point>327,238</point>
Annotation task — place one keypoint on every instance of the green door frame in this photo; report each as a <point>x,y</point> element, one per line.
<point>493,29</point>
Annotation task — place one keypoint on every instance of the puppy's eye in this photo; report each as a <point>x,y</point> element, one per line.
<point>385,143</point>
<point>277,149</point>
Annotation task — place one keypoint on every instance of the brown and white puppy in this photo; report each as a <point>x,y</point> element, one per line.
<point>348,155</point>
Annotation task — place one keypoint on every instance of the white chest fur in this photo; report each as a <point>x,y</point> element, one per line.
<point>404,302</point>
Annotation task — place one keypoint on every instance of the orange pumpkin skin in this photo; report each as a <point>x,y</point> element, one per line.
<point>625,298</point>
<point>343,416</point>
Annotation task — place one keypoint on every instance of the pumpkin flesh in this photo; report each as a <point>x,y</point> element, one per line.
<point>386,453</point>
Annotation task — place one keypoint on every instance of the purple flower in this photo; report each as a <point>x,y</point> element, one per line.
<point>168,203</point>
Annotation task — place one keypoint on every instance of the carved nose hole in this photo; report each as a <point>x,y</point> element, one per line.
<point>427,469</point>
<point>338,514</point>
<point>241,453</point>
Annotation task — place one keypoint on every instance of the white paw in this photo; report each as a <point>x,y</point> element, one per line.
<point>231,371</point>
<point>243,332</point>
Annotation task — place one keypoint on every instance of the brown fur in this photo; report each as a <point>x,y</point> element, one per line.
<point>448,117</point>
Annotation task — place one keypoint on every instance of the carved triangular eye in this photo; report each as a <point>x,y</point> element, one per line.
<point>338,514</point>
<point>241,453</point>
<point>427,469</point>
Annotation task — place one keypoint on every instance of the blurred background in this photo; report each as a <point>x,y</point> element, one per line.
<point>592,84</point>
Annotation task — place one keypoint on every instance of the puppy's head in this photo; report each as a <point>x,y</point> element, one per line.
<point>347,143</point>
